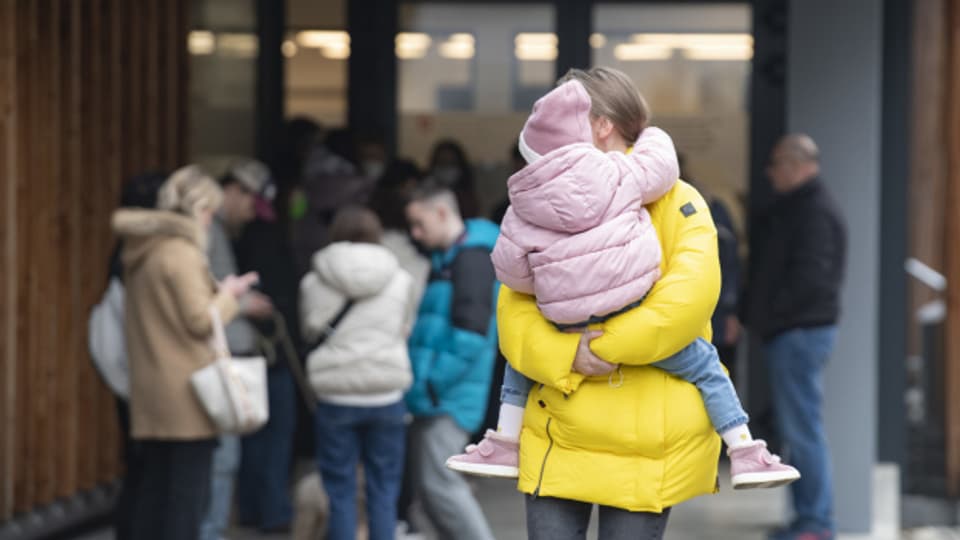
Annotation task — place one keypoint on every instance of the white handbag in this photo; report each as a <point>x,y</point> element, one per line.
<point>233,391</point>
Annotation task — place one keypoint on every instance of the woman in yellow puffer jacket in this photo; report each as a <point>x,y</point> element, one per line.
<point>638,444</point>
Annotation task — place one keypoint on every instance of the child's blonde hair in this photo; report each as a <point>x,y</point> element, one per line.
<point>613,95</point>
<point>188,191</point>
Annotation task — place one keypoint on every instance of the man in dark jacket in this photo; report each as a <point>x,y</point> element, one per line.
<point>263,478</point>
<point>794,309</point>
<point>452,349</point>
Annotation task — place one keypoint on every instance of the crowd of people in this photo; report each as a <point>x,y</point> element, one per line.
<point>576,335</point>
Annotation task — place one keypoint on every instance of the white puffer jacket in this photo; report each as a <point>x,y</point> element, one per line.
<point>364,362</point>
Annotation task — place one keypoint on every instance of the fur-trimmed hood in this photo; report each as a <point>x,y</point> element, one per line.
<point>142,230</point>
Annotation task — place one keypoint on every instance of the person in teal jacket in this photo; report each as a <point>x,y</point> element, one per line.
<point>452,349</point>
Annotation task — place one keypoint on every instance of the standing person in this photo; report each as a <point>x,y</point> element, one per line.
<point>637,445</point>
<point>450,168</point>
<point>395,184</point>
<point>109,352</point>
<point>794,307</point>
<point>515,163</point>
<point>452,349</point>
<point>571,254</point>
<point>238,209</point>
<point>168,326</point>
<point>359,297</point>
<point>330,180</point>
<point>263,480</point>
<point>726,325</point>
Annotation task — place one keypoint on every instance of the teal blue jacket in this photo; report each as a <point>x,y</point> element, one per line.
<point>454,341</point>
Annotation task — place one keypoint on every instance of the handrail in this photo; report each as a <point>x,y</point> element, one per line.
<point>925,274</point>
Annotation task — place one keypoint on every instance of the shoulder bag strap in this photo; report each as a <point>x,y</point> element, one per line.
<point>332,325</point>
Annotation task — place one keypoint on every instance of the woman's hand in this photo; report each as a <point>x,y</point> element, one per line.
<point>239,285</point>
<point>587,363</point>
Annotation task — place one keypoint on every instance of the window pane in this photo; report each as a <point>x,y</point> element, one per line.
<point>692,63</point>
<point>223,69</point>
<point>471,73</point>
<point>316,49</point>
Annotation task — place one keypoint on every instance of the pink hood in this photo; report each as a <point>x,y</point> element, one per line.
<point>560,118</point>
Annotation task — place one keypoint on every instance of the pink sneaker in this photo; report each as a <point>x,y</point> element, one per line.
<point>495,456</point>
<point>753,466</point>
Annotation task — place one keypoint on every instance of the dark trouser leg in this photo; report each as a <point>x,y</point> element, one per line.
<point>557,519</point>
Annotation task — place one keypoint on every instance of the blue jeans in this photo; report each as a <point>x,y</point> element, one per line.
<point>698,364</point>
<point>263,483</point>
<point>226,461</point>
<point>796,359</point>
<point>347,436</point>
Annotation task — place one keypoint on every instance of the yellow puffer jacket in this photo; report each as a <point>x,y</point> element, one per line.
<point>646,444</point>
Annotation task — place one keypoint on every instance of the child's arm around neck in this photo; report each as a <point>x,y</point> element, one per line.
<point>650,169</point>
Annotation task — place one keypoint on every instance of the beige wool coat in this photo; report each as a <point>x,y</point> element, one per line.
<point>169,290</point>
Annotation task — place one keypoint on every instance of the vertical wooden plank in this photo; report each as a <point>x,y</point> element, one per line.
<point>183,77</point>
<point>26,68</point>
<point>65,356</point>
<point>153,115</point>
<point>172,41</point>
<point>98,202</point>
<point>136,68</point>
<point>8,249</point>
<point>952,252</point>
<point>112,31</point>
<point>116,105</point>
<point>50,289</point>
<point>89,443</point>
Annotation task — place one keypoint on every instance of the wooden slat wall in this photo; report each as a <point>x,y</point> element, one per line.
<point>90,93</point>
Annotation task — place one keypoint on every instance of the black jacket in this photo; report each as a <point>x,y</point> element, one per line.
<point>800,268</point>
<point>727,246</point>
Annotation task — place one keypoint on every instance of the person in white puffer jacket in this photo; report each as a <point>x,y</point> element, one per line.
<point>360,370</point>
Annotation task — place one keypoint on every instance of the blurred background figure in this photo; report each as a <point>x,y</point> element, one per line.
<point>514,164</point>
<point>330,180</point>
<point>725,321</point>
<point>239,208</point>
<point>450,168</point>
<point>372,157</point>
<point>387,202</point>
<point>795,304</point>
<point>168,326</point>
<point>108,349</point>
<point>357,308</point>
<point>263,480</point>
<point>451,350</point>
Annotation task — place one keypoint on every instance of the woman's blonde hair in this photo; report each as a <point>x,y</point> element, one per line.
<point>614,96</point>
<point>188,191</point>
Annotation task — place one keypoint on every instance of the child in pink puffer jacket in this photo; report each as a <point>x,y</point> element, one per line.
<point>577,236</point>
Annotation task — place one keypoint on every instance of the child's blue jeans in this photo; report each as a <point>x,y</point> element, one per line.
<point>698,364</point>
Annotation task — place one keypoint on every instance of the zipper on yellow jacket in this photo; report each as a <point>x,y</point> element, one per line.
<point>543,466</point>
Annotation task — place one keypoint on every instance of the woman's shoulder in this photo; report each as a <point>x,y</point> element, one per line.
<point>683,204</point>
<point>174,255</point>
<point>684,192</point>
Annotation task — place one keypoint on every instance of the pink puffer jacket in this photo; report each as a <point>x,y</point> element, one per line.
<point>576,234</point>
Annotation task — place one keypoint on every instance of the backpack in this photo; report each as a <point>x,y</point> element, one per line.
<point>108,345</point>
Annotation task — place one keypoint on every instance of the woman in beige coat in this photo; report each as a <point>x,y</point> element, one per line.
<point>168,328</point>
